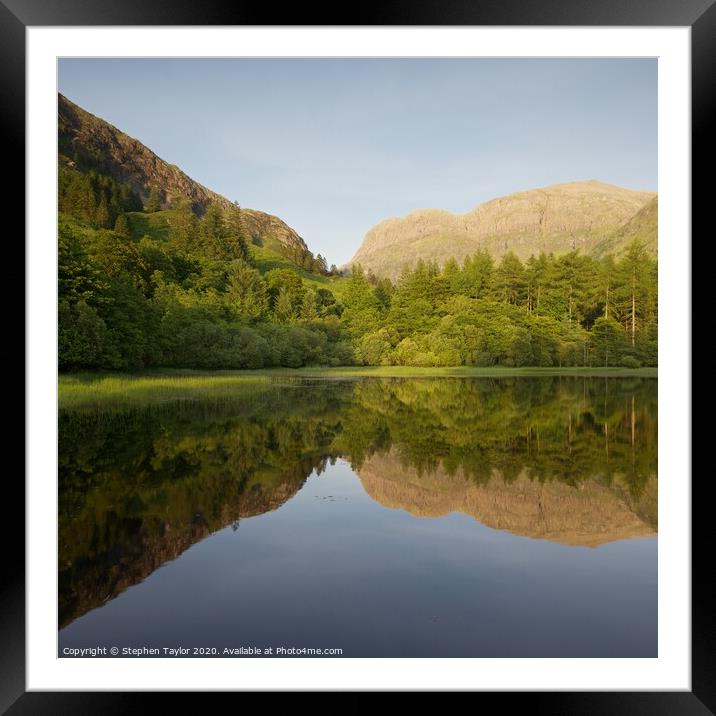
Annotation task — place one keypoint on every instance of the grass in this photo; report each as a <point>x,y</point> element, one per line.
<point>155,225</point>
<point>267,258</point>
<point>171,387</point>
<point>107,392</point>
<point>401,371</point>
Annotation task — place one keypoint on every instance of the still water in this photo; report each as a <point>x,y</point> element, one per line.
<point>382,517</point>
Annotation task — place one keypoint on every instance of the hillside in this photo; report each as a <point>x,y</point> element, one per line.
<point>87,142</point>
<point>643,226</point>
<point>155,270</point>
<point>557,219</point>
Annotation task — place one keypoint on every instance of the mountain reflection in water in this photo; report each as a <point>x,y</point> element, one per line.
<point>570,460</point>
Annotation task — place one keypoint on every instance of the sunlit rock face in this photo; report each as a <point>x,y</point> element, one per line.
<point>91,140</point>
<point>591,216</point>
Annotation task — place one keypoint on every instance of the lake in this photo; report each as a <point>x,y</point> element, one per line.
<point>471,517</point>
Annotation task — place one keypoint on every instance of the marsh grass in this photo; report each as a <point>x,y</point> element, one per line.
<point>112,394</point>
<point>401,371</point>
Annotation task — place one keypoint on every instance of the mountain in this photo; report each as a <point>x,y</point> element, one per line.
<point>559,218</point>
<point>88,142</point>
<point>642,226</point>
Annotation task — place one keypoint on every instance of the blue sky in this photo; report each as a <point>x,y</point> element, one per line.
<point>333,146</point>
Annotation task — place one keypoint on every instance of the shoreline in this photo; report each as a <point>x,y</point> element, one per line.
<point>367,371</point>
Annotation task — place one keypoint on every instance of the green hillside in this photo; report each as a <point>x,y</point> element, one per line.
<point>149,278</point>
<point>642,227</point>
<point>266,257</point>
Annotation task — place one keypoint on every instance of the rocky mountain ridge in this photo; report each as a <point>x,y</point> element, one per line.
<point>88,142</point>
<point>588,216</point>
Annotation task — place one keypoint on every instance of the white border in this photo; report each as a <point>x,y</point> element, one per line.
<point>671,671</point>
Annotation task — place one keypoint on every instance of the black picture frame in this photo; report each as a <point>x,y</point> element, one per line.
<point>699,15</point>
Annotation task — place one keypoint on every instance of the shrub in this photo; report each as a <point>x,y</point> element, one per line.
<point>630,362</point>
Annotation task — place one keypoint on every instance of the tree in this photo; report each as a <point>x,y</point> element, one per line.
<point>290,282</point>
<point>475,277</point>
<point>417,302</point>
<point>283,310</point>
<point>509,279</point>
<point>122,227</point>
<point>213,233</point>
<point>78,277</point>
<point>81,336</point>
<point>154,201</point>
<point>535,277</point>
<point>632,295</point>
<point>321,264</point>
<point>102,216</point>
<point>607,276</point>
<point>309,311</point>
<point>607,339</point>
<point>183,225</point>
<point>237,244</point>
<point>361,314</point>
<point>568,281</point>
<point>246,292</point>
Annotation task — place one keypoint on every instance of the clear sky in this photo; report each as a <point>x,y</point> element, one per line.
<point>333,146</point>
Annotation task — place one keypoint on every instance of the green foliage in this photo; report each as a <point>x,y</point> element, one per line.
<point>630,362</point>
<point>362,313</point>
<point>169,288</point>
<point>122,227</point>
<point>608,341</point>
<point>154,201</point>
<point>93,198</point>
<point>246,291</point>
<point>82,335</point>
<point>552,311</point>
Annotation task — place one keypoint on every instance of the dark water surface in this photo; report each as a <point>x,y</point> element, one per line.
<point>383,517</point>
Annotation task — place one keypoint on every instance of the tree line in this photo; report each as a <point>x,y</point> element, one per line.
<point>195,298</point>
<point>566,310</point>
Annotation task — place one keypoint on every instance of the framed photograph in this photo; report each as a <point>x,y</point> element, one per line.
<point>343,346</point>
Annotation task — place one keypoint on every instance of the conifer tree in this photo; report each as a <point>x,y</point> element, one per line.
<point>283,310</point>
<point>154,202</point>
<point>309,311</point>
<point>236,238</point>
<point>122,227</point>
<point>246,291</point>
<point>102,215</point>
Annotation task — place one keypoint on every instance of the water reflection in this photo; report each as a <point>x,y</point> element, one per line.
<point>569,460</point>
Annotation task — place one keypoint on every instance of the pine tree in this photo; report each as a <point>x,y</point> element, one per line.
<point>122,227</point>
<point>283,310</point>
<point>362,313</point>
<point>213,233</point>
<point>607,339</point>
<point>102,215</point>
<point>236,238</point>
<point>509,279</point>
<point>321,264</point>
<point>183,225</point>
<point>633,292</point>
<point>246,291</point>
<point>308,307</point>
<point>154,202</point>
